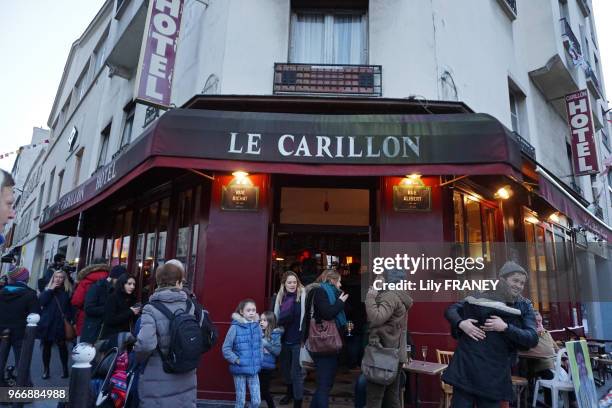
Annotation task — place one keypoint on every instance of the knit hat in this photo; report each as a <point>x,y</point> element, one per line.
<point>18,274</point>
<point>117,271</point>
<point>511,267</point>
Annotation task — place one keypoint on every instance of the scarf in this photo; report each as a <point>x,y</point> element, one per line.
<point>288,302</point>
<point>332,296</point>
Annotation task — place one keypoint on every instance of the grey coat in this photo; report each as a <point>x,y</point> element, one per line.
<point>157,388</point>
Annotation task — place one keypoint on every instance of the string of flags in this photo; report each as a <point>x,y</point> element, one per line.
<point>30,146</point>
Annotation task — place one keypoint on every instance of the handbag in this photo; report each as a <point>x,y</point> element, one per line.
<point>323,336</point>
<point>380,365</point>
<point>69,330</point>
<point>306,360</point>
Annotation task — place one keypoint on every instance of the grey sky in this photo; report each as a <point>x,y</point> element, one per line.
<point>35,39</point>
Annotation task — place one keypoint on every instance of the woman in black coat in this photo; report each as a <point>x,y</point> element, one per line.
<point>120,312</point>
<point>55,303</point>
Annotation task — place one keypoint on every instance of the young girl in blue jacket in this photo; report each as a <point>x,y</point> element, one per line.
<point>243,349</point>
<point>271,341</point>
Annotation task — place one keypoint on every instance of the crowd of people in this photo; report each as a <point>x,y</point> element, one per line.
<point>307,326</point>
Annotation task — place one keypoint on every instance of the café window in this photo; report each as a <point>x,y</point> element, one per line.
<point>328,37</point>
<point>474,225</point>
<point>188,230</point>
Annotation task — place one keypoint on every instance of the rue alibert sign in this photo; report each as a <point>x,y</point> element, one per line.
<point>412,198</point>
<point>581,128</point>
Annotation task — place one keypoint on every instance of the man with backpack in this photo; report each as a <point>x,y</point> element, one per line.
<point>171,340</point>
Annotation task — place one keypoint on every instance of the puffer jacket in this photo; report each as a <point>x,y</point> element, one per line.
<point>86,277</point>
<point>271,349</point>
<point>243,346</point>
<point>156,388</point>
<point>387,319</point>
<point>17,301</point>
<point>483,367</point>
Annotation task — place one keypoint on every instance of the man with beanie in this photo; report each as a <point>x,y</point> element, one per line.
<point>387,313</point>
<point>95,302</point>
<point>7,199</point>
<point>17,301</point>
<point>490,328</point>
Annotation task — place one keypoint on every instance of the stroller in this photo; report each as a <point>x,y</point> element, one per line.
<point>113,379</point>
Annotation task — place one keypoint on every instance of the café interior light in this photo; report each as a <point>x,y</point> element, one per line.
<point>504,193</point>
<point>532,219</point>
<point>349,260</point>
<point>554,217</point>
<point>279,259</point>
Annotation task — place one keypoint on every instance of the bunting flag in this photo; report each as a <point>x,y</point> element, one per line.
<point>30,146</point>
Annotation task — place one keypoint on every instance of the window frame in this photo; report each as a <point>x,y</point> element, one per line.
<point>105,135</point>
<point>328,16</point>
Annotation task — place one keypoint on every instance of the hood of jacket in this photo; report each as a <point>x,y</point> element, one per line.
<point>404,297</point>
<point>493,304</point>
<point>239,319</point>
<point>169,295</point>
<point>14,291</point>
<point>83,273</point>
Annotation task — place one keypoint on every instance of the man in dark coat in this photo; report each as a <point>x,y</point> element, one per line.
<point>17,301</point>
<point>95,302</point>
<point>490,328</point>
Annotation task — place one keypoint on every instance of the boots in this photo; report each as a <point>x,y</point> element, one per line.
<point>46,375</point>
<point>65,372</point>
<point>288,397</point>
<point>297,403</point>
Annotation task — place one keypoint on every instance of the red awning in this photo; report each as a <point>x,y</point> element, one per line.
<point>307,144</point>
<point>555,194</point>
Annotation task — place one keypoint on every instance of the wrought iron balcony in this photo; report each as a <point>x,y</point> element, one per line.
<point>526,147</point>
<point>598,211</point>
<point>584,6</point>
<point>574,185</point>
<point>572,45</point>
<point>593,82</point>
<point>327,79</point>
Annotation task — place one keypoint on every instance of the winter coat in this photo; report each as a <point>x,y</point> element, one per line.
<point>17,301</point>
<point>317,300</point>
<point>483,367</point>
<point>51,324</point>
<point>387,312</point>
<point>156,388</point>
<point>86,277</point>
<point>271,349</point>
<point>243,346</point>
<point>291,320</point>
<point>118,317</point>
<point>95,302</point>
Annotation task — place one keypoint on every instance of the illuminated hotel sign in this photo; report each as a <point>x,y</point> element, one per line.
<point>581,128</point>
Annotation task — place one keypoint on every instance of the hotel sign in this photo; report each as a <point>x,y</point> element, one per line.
<point>158,53</point>
<point>581,127</point>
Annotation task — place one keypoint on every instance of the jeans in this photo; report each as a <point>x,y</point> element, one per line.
<point>292,370</point>
<point>361,386</point>
<point>265,377</point>
<point>325,373</point>
<point>240,382</point>
<point>462,399</point>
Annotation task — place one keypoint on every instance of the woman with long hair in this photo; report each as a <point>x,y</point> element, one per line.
<point>289,310</point>
<point>55,304</point>
<point>121,311</point>
<point>327,302</point>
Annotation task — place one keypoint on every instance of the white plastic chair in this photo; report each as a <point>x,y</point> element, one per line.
<point>561,382</point>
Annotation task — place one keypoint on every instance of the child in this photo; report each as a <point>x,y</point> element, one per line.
<point>242,348</point>
<point>271,349</point>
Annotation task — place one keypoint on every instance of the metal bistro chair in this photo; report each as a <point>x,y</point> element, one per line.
<point>561,382</point>
<point>444,357</point>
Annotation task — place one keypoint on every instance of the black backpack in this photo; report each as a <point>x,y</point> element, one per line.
<point>210,334</point>
<point>186,340</point>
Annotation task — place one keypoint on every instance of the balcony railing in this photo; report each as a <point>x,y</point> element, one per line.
<point>584,6</point>
<point>593,82</point>
<point>574,185</point>
<point>572,45</point>
<point>509,7</point>
<point>327,79</point>
<point>526,147</point>
<point>512,5</point>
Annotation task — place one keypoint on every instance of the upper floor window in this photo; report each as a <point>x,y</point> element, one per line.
<point>99,55</point>
<point>60,181</point>
<point>126,136</point>
<point>104,146</point>
<point>329,37</point>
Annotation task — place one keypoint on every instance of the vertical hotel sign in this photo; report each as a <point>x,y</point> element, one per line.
<point>581,127</point>
<point>158,53</point>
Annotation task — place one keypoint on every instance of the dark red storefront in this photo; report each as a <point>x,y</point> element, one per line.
<point>163,197</point>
